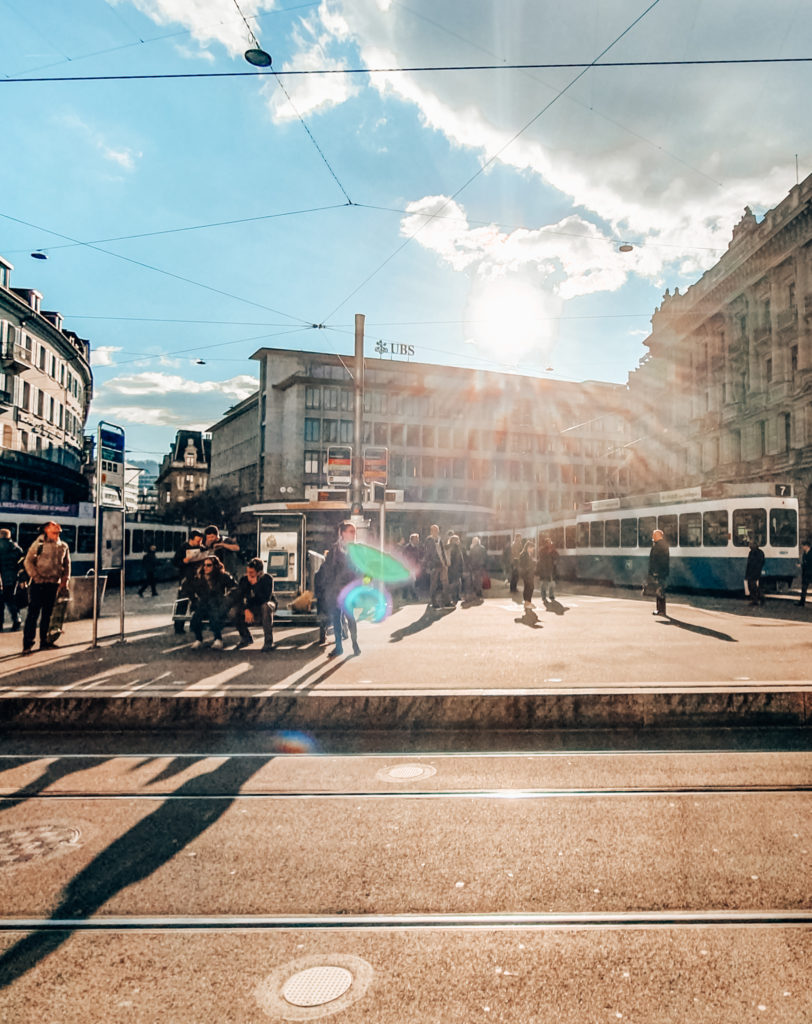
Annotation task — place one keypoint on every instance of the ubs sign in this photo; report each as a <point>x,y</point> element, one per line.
<point>393,348</point>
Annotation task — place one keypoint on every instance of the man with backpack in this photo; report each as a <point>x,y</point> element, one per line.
<point>47,563</point>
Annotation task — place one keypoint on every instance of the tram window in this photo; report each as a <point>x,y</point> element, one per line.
<point>127,535</point>
<point>69,536</point>
<point>690,530</point>
<point>87,537</point>
<point>596,534</point>
<point>149,539</point>
<point>613,533</point>
<point>138,541</point>
<point>556,535</point>
<point>28,534</point>
<point>569,536</point>
<point>628,533</point>
<point>12,529</point>
<point>582,535</point>
<point>668,524</point>
<point>715,531</point>
<point>783,527</point>
<point>646,525</point>
<point>749,524</point>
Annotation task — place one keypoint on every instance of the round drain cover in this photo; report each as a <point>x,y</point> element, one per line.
<point>316,986</point>
<point>33,842</point>
<point>407,771</point>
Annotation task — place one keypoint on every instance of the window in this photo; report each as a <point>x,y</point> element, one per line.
<point>596,534</point>
<point>582,535</point>
<point>190,457</point>
<point>569,536</point>
<point>345,400</point>
<point>311,462</point>
<point>26,400</point>
<point>762,437</point>
<point>413,437</point>
<point>330,430</point>
<point>690,530</point>
<point>428,467</point>
<point>381,433</point>
<point>312,398</point>
<point>646,525</point>
<point>138,541</point>
<point>768,370</point>
<point>330,398</point>
<point>749,524</point>
<point>86,539</point>
<point>428,437</point>
<point>668,524</point>
<point>312,429</point>
<point>787,421</point>
<point>346,431</point>
<point>612,533</point>
<point>784,527</point>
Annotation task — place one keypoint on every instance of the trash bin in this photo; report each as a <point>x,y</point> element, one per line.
<point>80,605</point>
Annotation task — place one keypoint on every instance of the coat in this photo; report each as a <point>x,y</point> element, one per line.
<point>659,560</point>
<point>48,561</point>
<point>11,555</point>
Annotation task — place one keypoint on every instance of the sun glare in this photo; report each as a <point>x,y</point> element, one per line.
<point>511,320</point>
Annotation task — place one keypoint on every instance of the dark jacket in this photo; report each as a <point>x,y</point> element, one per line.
<point>10,556</point>
<point>806,565</point>
<point>659,560</point>
<point>252,596</point>
<point>527,565</point>
<point>755,563</point>
<point>547,564</point>
<point>214,589</point>
<point>338,572</point>
<point>476,557</point>
<point>432,559</point>
<point>456,562</point>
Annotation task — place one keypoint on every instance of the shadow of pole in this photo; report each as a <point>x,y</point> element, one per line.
<point>132,857</point>
<point>702,630</point>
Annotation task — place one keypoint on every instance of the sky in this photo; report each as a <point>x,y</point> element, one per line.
<point>420,162</point>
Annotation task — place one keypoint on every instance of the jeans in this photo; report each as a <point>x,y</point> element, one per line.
<point>262,615</point>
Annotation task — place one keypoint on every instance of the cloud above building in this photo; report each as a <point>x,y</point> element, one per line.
<point>169,400</point>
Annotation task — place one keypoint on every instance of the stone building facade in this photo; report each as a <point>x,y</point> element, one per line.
<point>184,470</point>
<point>521,447</point>
<point>46,386</point>
<point>725,393</point>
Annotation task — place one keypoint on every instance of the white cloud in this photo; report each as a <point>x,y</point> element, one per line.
<point>123,156</point>
<point>102,355</point>
<point>208,21</point>
<point>157,399</point>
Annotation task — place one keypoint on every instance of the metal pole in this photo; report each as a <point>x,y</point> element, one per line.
<point>356,494</point>
<point>96,550</point>
<point>121,580</point>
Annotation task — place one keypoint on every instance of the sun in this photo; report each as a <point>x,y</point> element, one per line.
<point>511,319</point>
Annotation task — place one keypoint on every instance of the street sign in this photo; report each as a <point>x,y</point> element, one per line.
<point>376,465</point>
<point>339,466</point>
<point>110,466</point>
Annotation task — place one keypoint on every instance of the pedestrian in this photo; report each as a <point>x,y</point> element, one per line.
<point>456,568</point>
<point>547,569</point>
<point>516,549</point>
<point>319,593</point>
<point>752,572</point>
<point>339,573</point>
<point>210,589</point>
<point>148,563</point>
<point>11,554</point>
<point>412,556</point>
<point>226,548</point>
<point>47,563</point>
<point>805,564</point>
<point>527,572</point>
<point>659,566</point>
<point>476,567</point>
<point>435,562</point>
<point>187,561</point>
<point>254,602</point>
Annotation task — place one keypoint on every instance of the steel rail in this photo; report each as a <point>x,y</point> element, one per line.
<point>259,922</point>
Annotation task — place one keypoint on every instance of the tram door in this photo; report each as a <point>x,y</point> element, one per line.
<point>281,546</point>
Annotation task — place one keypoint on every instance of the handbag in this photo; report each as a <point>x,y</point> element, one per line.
<point>21,595</point>
<point>486,581</point>
<point>651,587</point>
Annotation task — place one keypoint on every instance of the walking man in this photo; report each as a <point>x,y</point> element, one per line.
<point>148,562</point>
<point>436,562</point>
<point>11,555</point>
<point>806,569</point>
<point>659,566</point>
<point>47,563</point>
<point>752,572</point>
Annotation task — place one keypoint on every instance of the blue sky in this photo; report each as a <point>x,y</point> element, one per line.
<point>472,214</point>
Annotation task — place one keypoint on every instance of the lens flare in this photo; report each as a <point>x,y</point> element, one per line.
<point>288,742</point>
<point>365,602</point>
<point>377,565</point>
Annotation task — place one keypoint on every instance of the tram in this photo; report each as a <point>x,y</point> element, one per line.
<point>25,521</point>
<point>708,532</point>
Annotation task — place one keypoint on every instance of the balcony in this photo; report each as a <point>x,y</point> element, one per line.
<point>6,399</point>
<point>786,318</point>
<point>14,357</point>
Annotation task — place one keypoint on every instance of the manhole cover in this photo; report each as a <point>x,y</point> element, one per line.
<point>316,986</point>
<point>407,771</point>
<point>33,842</point>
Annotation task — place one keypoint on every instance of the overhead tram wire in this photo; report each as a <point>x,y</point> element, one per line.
<point>493,158</point>
<point>293,72</point>
<point>158,270</point>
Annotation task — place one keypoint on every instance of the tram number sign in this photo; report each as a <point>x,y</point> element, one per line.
<point>110,465</point>
<point>376,465</point>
